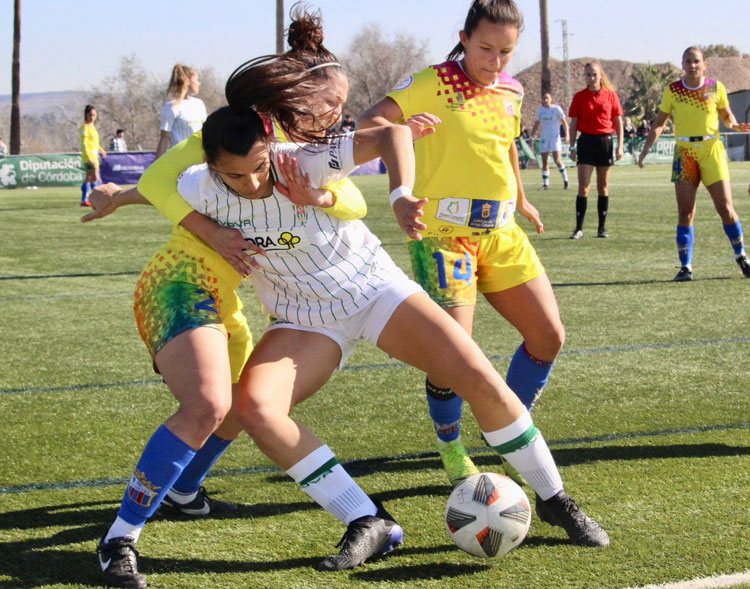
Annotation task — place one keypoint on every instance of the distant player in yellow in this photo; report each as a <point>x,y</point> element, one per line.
<point>468,171</point>
<point>90,150</point>
<point>697,103</point>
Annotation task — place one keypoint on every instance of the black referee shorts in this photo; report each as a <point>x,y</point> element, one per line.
<point>595,150</point>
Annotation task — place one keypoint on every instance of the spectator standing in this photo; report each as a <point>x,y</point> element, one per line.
<point>183,114</point>
<point>595,112</point>
<point>118,144</point>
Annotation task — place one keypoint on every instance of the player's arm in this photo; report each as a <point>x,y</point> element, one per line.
<point>620,137</point>
<point>387,112</point>
<point>107,198</point>
<point>534,129</point>
<point>566,129</point>
<point>348,202</point>
<point>729,120</point>
<point>657,128</point>
<point>572,136</point>
<point>163,144</point>
<point>523,206</point>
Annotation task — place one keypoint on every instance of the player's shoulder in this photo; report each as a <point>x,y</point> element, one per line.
<point>509,84</point>
<point>677,87</point>
<point>195,180</point>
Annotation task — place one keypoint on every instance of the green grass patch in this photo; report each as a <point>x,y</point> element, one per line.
<point>647,412</point>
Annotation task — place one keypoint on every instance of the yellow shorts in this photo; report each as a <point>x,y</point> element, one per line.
<point>451,269</point>
<point>701,161</point>
<point>184,286</point>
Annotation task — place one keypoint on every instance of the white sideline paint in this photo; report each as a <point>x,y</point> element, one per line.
<point>734,580</point>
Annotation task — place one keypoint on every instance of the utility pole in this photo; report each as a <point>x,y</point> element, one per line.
<point>279,27</point>
<point>544,24</point>
<point>566,64</point>
<point>15,109</point>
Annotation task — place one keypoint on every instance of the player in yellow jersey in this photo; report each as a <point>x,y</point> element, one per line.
<point>468,171</point>
<point>90,151</point>
<point>697,102</point>
<point>190,316</point>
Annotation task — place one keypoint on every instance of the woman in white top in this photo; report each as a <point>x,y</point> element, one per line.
<point>183,114</point>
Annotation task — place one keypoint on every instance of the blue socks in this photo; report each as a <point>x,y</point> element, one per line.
<point>192,476</point>
<point>527,376</point>
<point>163,460</point>
<point>446,408</point>
<point>685,239</point>
<point>734,233</point>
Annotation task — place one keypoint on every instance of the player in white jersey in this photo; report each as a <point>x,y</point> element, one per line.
<point>550,117</point>
<point>329,284</point>
<point>184,113</point>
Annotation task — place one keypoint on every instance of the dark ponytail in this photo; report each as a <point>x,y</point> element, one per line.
<point>505,12</point>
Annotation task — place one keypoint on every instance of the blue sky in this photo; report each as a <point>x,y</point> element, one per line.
<point>72,45</point>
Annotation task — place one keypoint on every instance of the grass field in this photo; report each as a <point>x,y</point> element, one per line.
<point>647,412</point>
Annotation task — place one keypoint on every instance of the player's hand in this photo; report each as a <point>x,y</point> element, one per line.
<point>232,246</point>
<point>572,154</point>
<point>408,211</point>
<point>620,153</point>
<point>298,187</point>
<point>103,203</point>
<point>531,213</point>
<point>744,127</point>
<point>422,124</point>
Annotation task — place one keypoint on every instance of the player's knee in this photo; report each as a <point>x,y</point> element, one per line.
<point>208,413</point>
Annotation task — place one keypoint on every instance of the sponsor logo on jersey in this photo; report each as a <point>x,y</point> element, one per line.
<point>484,213</point>
<point>335,157</point>
<point>454,210</point>
<point>404,84</point>
<point>284,242</point>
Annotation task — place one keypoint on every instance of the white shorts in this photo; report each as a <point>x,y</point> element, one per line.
<point>547,144</point>
<point>367,323</point>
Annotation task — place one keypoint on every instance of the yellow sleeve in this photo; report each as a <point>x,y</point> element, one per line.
<point>159,182</point>
<point>722,101</point>
<point>350,204</point>
<point>666,101</point>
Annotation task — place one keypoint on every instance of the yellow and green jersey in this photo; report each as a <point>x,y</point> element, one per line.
<point>695,110</point>
<point>464,168</point>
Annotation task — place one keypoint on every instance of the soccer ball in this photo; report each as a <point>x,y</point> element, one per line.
<point>488,515</point>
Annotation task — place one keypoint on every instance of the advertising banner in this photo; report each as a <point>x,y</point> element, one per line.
<point>126,168</point>
<point>58,169</point>
<point>66,169</point>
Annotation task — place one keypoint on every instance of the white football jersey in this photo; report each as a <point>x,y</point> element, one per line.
<point>318,268</point>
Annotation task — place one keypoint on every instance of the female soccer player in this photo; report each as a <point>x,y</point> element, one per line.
<point>596,113</point>
<point>328,283</point>
<point>469,173</point>
<point>90,150</point>
<point>184,113</point>
<point>551,117</point>
<point>696,103</point>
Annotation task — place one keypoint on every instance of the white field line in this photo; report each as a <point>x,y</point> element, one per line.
<point>734,580</point>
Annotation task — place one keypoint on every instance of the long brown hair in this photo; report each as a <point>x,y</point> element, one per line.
<point>277,86</point>
<point>505,12</point>
<point>179,81</point>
